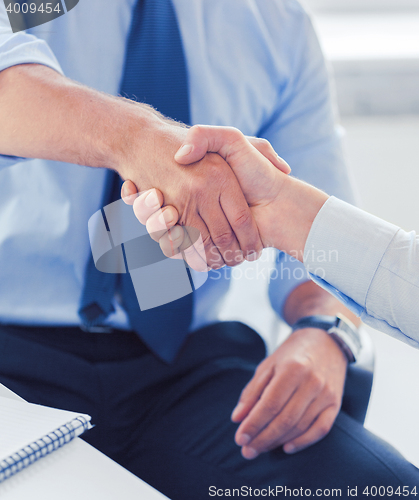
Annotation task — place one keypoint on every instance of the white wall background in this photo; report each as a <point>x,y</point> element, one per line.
<point>383,152</point>
<point>373,47</point>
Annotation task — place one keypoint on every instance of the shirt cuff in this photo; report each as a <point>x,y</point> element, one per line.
<point>22,48</point>
<point>345,247</point>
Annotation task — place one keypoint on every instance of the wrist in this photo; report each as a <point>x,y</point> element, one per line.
<point>292,215</point>
<point>134,129</point>
<point>341,330</point>
<point>146,138</point>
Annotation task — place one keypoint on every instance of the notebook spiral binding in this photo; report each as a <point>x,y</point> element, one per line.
<point>44,446</point>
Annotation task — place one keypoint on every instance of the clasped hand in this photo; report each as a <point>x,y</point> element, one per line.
<point>295,394</point>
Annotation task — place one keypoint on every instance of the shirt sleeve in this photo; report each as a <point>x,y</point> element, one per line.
<point>303,130</point>
<point>21,48</point>
<point>370,265</point>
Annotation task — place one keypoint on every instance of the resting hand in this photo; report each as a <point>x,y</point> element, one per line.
<point>294,397</point>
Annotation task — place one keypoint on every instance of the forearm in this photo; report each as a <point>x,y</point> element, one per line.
<point>287,223</point>
<point>45,115</point>
<point>309,299</point>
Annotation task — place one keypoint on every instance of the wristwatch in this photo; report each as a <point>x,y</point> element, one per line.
<point>343,332</point>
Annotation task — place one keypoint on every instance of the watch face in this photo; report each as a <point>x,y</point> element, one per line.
<point>349,337</point>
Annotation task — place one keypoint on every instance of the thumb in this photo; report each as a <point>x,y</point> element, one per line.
<point>203,139</point>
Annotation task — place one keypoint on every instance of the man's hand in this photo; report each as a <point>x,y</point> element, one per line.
<point>294,397</point>
<point>257,167</point>
<point>131,138</point>
<point>283,207</point>
<point>206,195</point>
<point>259,170</point>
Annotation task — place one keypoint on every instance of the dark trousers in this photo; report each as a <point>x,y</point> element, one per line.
<point>171,426</point>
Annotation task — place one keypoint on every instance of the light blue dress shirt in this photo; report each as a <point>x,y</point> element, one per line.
<point>370,265</point>
<point>252,64</point>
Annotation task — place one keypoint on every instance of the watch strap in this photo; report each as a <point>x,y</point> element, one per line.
<point>317,321</point>
<point>343,332</point>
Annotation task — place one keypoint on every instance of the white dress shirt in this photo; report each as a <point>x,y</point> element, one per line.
<point>252,64</point>
<point>371,265</point>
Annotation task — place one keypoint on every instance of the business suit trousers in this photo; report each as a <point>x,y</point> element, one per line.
<point>170,424</point>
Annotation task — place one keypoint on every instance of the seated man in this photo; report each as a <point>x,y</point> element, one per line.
<point>75,338</point>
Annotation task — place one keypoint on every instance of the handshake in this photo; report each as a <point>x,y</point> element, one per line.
<point>259,206</point>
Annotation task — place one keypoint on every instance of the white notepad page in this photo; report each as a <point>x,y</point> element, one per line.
<point>23,423</point>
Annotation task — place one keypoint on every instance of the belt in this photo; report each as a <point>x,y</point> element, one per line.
<point>95,345</point>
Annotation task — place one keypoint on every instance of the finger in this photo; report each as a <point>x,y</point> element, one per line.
<point>320,428</point>
<point>310,416</point>
<point>211,255</point>
<point>263,412</point>
<point>147,203</point>
<point>176,244</point>
<point>252,392</point>
<point>203,139</point>
<point>226,248</point>
<point>161,221</point>
<point>265,147</point>
<point>242,223</point>
<point>171,241</point>
<point>193,250</point>
<point>284,422</point>
<point>276,395</point>
<point>129,192</point>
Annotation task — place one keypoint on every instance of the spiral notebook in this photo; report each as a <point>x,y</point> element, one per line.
<point>28,432</point>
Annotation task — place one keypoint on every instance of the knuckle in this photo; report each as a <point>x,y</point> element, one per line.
<point>264,144</point>
<point>197,129</point>
<point>235,134</point>
<point>260,369</point>
<point>317,383</point>
<point>330,396</point>
<point>252,430</point>
<point>211,253</point>
<point>199,186</point>
<point>242,219</point>
<point>223,240</point>
<point>208,247</point>
<point>287,423</point>
<point>270,406</point>
<point>299,367</point>
<point>300,427</point>
<point>207,242</point>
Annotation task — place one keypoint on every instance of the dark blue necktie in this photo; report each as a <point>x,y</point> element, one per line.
<point>154,73</point>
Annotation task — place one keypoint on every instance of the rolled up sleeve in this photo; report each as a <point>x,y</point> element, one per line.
<point>21,48</point>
